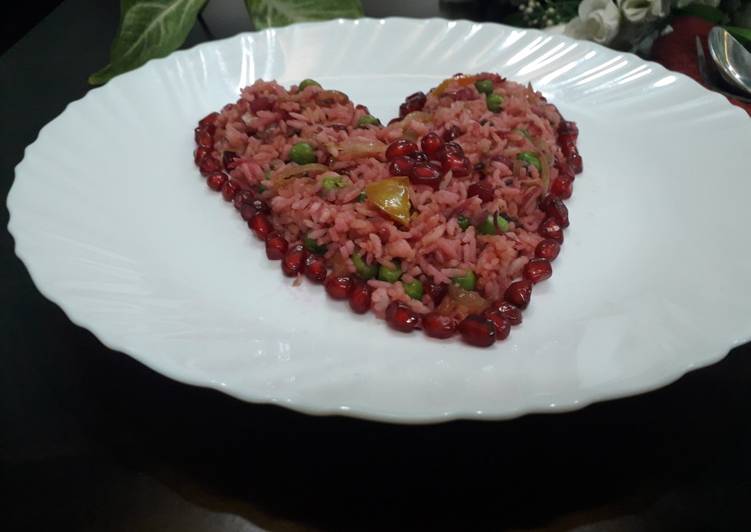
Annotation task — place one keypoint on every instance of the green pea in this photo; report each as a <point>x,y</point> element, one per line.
<point>485,86</point>
<point>467,281</point>
<point>501,223</point>
<point>364,270</point>
<point>494,102</point>
<point>368,120</point>
<point>302,153</point>
<point>487,227</point>
<point>330,182</point>
<point>313,246</point>
<point>414,289</point>
<point>389,275</point>
<point>528,157</point>
<point>361,197</point>
<point>463,222</point>
<point>307,83</point>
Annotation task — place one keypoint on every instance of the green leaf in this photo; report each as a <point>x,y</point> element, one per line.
<point>267,13</point>
<point>148,29</point>
<point>742,34</point>
<point>706,12</point>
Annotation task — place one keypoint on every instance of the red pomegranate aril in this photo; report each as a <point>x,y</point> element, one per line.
<point>519,293</point>
<point>538,270</point>
<point>208,120</point>
<point>431,143</point>
<point>567,127</point>
<point>261,103</point>
<point>276,246</point>
<point>230,159</point>
<point>437,291</point>
<point>555,208</point>
<point>564,170</point>
<point>463,95</point>
<point>260,225</point>
<point>403,110</point>
<point>551,228</point>
<point>200,153</point>
<point>229,189</point>
<point>508,312</point>
<point>567,142</point>
<point>242,198</point>
<point>339,287</point>
<point>451,133</point>
<point>547,249</point>
<point>575,162</point>
<point>457,164</point>
<point>401,318</point>
<point>483,190</point>
<point>425,174</point>
<point>216,181</point>
<point>359,299</point>
<point>447,149</point>
<point>501,324</point>
<point>562,187</point>
<point>209,165</point>
<point>315,268</point>
<point>293,262</point>
<point>400,148</point>
<point>417,99</point>
<point>477,331</point>
<point>438,325</point>
<point>401,166</point>
<point>419,157</point>
<point>247,212</point>
<point>204,137</point>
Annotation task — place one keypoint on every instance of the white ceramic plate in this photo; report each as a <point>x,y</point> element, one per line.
<point>116,226</point>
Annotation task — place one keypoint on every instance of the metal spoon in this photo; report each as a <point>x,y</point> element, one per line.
<point>732,59</point>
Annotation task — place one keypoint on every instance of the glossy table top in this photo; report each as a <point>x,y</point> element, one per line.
<point>92,440</point>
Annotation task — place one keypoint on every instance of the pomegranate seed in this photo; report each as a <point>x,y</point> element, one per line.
<point>242,198</point>
<point>208,120</point>
<point>555,208</point>
<point>200,153</point>
<point>567,142</point>
<point>247,212</point>
<point>431,143</point>
<point>501,324</point>
<point>260,225</point>
<point>230,159</point>
<point>564,170</point>
<point>449,148</point>
<point>575,162</point>
<point>483,190</point>
<point>418,157</point>
<point>401,166</point>
<point>216,181</point>
<point>451,133</point>
<point>400,317</point>
<point>204,137</point>
<point>566,127</point>
<point>550,228</point>
<point>400,148</point>
<point>457,164</point>
<point>519,293</point>
<point>339,286</point>
<point>425,174</point>
<point>209,165</point>
<point>562,187</point>
<point>315,268</point>
<point>537,270</point>
<point>463,95</point>
<point>477,331</point>
<point>260,206</point>
<point>359,299</point>
<point>276,246</point>
<point>508,312</point>
<point>294,260</point>
<point>255,206</point>
<point>437,291</point>
<point>261,103</point>
<point>403,110</point>
<point>547,249</point>
<point>417,99</point>
<point>438,325</point>
<point>229,189</point>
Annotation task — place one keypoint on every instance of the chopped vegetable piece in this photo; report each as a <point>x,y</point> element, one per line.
<point>389,275</point>
<point>330,182</point>
<point>501,223</point>
<point>364,270</point>
<point>361,197</point>
<point>494,102</point>
<point>261,189</point>
<point>485,86</point>
<point>307,83</point>
<point>467,281</point>
<point>313,246</point>
<point>302,153</point>
<point>368,120</point>
<point>391,196</point>
<point>487,227</point>
<point>463,222</point>
<point>414,289</point>
<point>527,157</point>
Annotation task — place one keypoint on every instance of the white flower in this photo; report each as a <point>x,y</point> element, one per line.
<point>684,3</point>
<point>644,10</point>
<point>598,21</point>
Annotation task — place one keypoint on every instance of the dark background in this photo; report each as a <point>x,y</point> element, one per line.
<point>92,440</point>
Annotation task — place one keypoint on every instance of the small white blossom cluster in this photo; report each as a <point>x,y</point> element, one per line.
<point>540,13</point>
